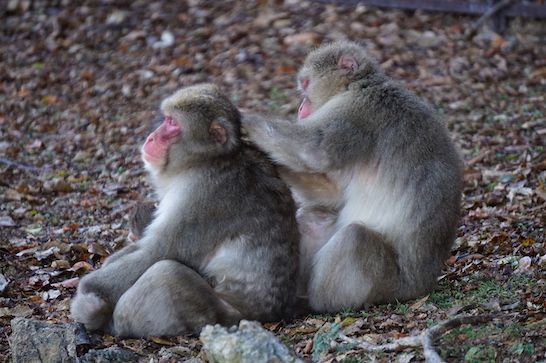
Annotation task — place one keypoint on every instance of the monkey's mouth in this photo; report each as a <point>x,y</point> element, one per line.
<point>148,153</point>
<point>305,108</point>
<point>150,158</point>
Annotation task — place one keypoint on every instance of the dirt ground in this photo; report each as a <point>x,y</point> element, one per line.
<point>80,86</point>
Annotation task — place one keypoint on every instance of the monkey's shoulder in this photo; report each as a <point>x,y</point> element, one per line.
<point>258,160</point>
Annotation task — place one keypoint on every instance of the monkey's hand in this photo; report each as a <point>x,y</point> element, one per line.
<point>285,142</point>
<point>252,128</point>
<point>252,123</point>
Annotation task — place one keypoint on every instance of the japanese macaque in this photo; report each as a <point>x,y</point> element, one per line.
<point>223,242</point>
<point>377,180</point>
<point>140,217</point>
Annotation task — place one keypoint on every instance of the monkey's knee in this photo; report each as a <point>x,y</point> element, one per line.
<point>168,299</point>
<point>92,311</point>
<point>357,266</point>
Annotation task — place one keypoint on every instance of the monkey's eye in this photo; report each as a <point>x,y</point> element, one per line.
<point>171,123</point>
<point>305,83</point>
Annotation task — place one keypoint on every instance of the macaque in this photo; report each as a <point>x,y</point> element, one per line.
<point>377,180</point>
<point>223,242</point>
<point>140,217</point>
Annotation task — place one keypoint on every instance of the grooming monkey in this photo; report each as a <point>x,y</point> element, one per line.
<point>223,243</point>
<point>377,180</point>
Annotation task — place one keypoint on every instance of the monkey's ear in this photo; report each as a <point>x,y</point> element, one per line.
<point>347,61</point>
<point>218,133</point>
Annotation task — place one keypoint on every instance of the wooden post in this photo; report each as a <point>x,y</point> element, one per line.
<point>498,21</point>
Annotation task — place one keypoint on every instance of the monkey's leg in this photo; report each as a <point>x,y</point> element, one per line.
<point>170,299</point>
<point>316,227</point>
<point>99,290</point>
<point>356,266</point>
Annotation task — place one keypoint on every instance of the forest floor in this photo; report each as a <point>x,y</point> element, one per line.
<point>80,86</point>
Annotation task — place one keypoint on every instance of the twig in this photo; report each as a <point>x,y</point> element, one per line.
<point>486,16</point>
<point>481,155</point>
<point>424,340</point>
<point>21,166</point>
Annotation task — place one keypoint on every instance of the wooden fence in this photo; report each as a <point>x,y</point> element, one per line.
<point>498,11</point>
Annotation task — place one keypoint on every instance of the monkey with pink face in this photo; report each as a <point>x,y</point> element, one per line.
<point>377,179</point>
<point>222,244</point>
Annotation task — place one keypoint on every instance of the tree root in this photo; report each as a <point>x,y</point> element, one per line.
<point>425,340</point>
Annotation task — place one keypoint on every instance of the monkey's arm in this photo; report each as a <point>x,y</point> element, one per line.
<point>292,144</point>
<point>100,290</point>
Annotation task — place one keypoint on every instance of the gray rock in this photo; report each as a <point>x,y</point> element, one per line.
<point>35,341</point>
<point>250,343</point>
<point>109,355</point>
<point>41,342</point>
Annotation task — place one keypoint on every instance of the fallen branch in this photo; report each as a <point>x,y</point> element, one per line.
<point>425,340</point>
<point>486,16</point>
<point>21,166</point>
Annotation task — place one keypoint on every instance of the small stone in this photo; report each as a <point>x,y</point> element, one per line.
<point>249,343</point>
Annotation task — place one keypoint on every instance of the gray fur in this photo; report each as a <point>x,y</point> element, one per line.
<point>377,179</point>
<point>223,244</point>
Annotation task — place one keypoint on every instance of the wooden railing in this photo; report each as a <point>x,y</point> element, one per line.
<point>499,10</point>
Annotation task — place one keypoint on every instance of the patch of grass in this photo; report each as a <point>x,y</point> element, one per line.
<point>401,309</point>
<point>466,343</point>
<point>480,353</point>
<point>447,296</point>
<point>286,339</point>
<point>325,316</point>
<point>324,336</point>
<point>522,348</point>
<point>487,289</point>
<point>480,344</point>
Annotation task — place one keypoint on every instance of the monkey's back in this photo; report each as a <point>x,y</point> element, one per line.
<point>243,232</point>
<point>418,179</point>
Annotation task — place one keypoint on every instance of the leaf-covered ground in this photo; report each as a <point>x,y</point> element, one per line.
<point>80,84</point>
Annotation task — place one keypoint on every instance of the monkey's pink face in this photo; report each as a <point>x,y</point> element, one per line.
<point>305,107</point>
<point>155,148</point>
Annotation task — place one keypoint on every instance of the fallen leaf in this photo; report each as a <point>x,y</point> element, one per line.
<point>50,99</point>
<point>12,195</point>
<point>272,326</point>
<point>524,265</point>
<point>19,311</point>
<point>161,341</point>
<point>57,185</point>
<point>309,38</point>
<point>34,230</point>
<point>73,282</point>
<point>416,305</point>
<point>285,70</point>
<point>36,144</point>
<point>6,221</point>
<point>3,283</point>
<point>50,295</point>
<point>456,29</point>
<point>528,242</point>
<point>60,264</point>
<point>82,264</point>
<point>303,330</point>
